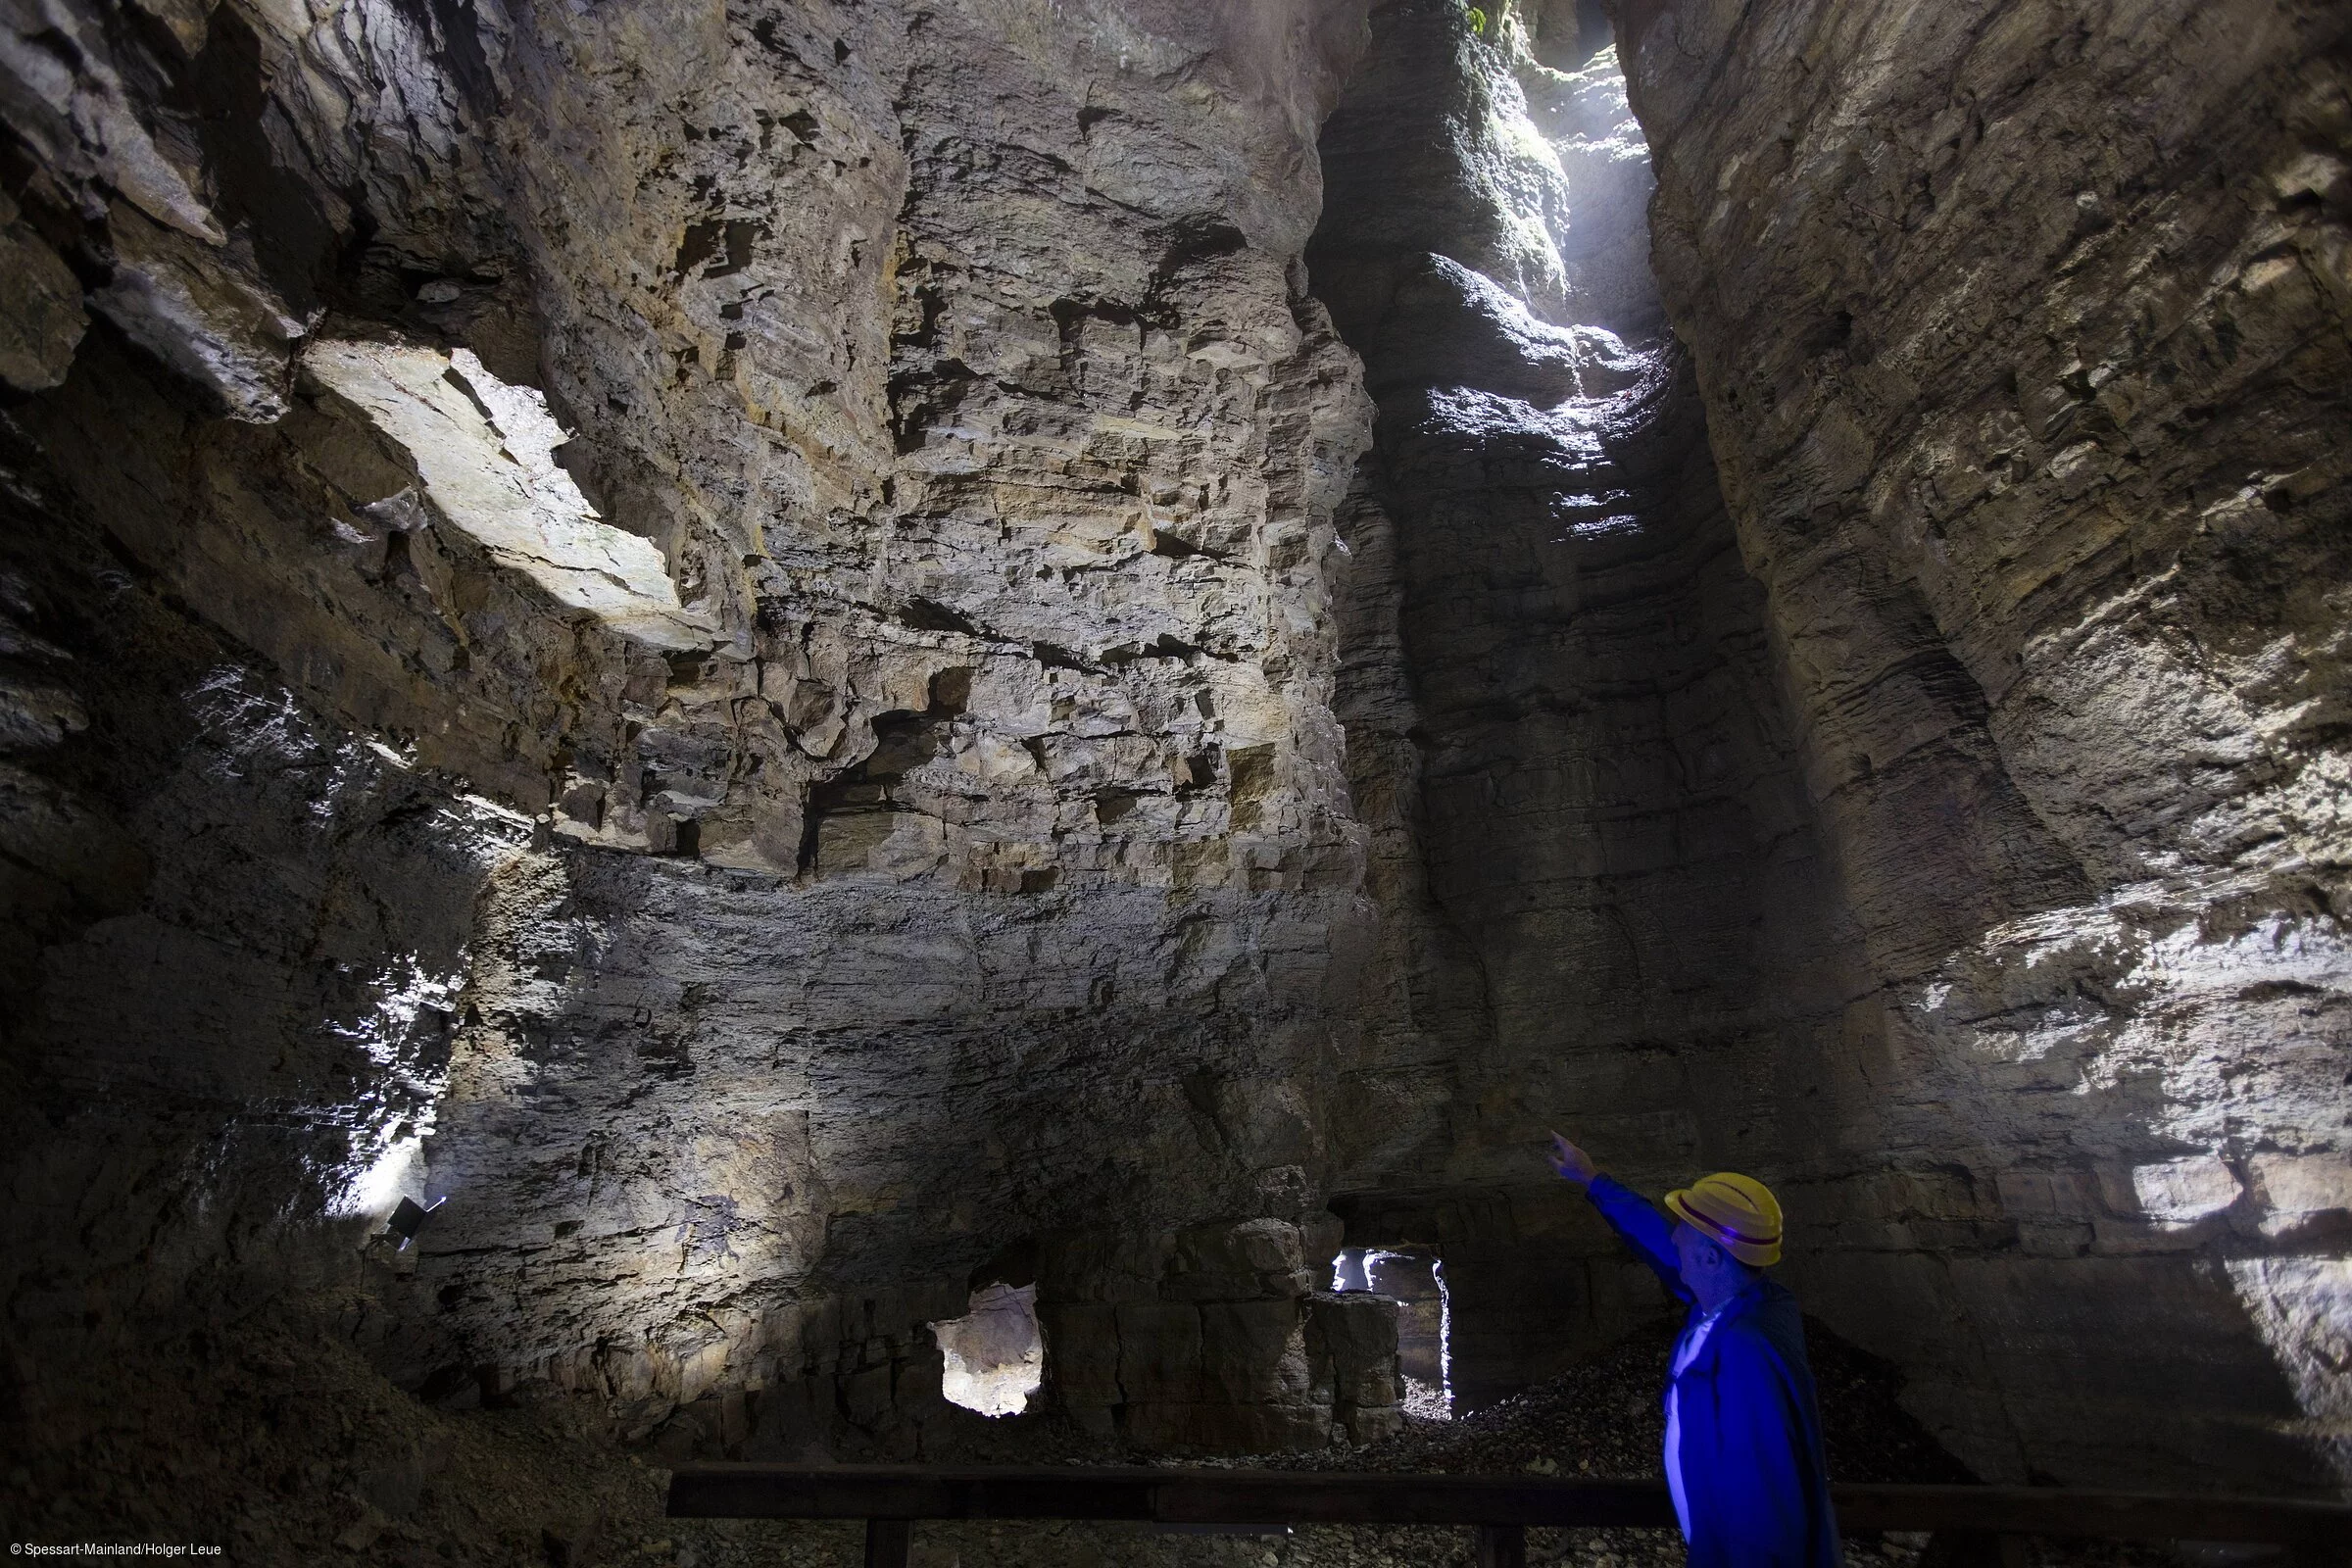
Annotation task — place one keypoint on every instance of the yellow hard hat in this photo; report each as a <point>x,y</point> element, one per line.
<point>1738,1213</point>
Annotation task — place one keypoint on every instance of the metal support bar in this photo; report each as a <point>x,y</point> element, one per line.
<point>1502,1546</point>
<point>889,1543</point>
<point>1974,1527</point>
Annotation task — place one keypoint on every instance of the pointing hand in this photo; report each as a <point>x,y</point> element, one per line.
<point>1571,1163</point>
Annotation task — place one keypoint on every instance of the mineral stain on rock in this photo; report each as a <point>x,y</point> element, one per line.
<point>814,658</point>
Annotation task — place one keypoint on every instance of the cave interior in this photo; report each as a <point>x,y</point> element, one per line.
<point>901,729</point>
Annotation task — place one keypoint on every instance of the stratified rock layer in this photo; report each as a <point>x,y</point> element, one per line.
<point>2022,331</point>
<point>756,579</point>
<point>1978,880</point>
<point>1606,907</point>
<point>750,641</point>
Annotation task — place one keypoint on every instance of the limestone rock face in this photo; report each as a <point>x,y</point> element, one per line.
<point>1940,817</point>
<point>42,317</point>
<point>813,655</point>
<point>2022,336</point>
<point>1214,1336</point>
<point>834,505</point>
<point>1605,903</point>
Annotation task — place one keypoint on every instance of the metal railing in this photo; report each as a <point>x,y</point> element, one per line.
<point>1971,1524</point>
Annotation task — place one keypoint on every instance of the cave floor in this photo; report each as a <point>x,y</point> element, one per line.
<point>284,1446</point>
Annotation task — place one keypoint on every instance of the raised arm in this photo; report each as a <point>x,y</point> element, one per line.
<point>1628,1214</point>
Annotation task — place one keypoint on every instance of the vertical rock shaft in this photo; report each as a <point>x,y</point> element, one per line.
<point>1604,900</point>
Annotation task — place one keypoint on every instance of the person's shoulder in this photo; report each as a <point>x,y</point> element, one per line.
<point>1745,1348</point>
<point>1749,1320</point>
<point>1765,1309</point>
<point>1767,1320</point>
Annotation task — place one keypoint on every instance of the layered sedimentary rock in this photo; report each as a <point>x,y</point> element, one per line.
<point>1606,906</point>
<point>705,633</point>
<point>2022,334</point>
<point>1949,833</point>
<point>751,642</point>
<point>1132,1319</point>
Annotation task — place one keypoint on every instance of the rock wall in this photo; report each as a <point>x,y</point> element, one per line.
<point>1606,904</point>
<point>703,630</point>
<point>1940,818</point>
<point>2020,331</point>
<point>750,640</point>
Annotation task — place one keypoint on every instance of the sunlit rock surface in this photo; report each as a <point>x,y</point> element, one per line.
<point>1606,907</point>
<point>484,453</point>
<point>1950,832</point>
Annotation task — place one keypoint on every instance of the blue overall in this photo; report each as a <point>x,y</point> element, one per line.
<point>1743,1437</point>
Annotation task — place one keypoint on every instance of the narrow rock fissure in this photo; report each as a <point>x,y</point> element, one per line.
<point>1555,672</point>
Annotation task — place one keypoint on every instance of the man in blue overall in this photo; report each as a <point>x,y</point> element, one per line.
<point>1744,1455</point>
